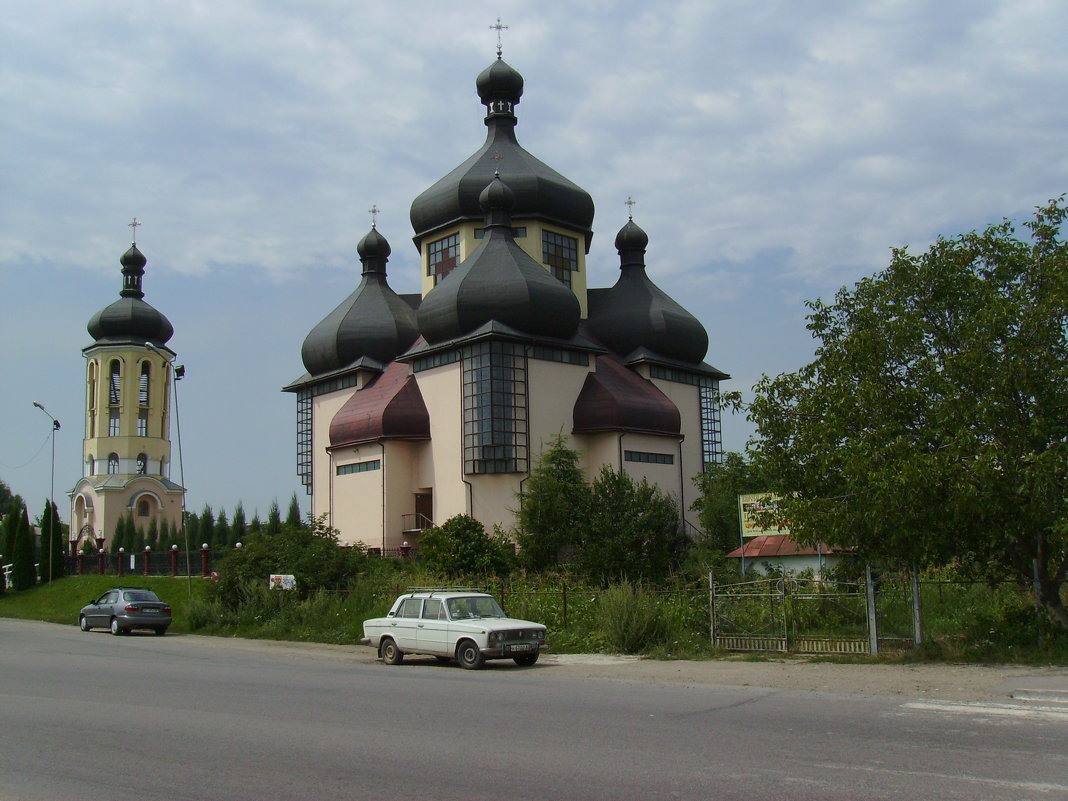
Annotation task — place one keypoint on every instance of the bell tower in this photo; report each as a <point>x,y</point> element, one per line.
<point>126,452</point>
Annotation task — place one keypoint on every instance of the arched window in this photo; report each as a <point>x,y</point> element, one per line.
<point>115,385</point>
<point>90,463</point>
<point>91,405</point>
<point>146,373</point>
<point>113,464</point>
<point>142,464</point>
<point>143,508</point>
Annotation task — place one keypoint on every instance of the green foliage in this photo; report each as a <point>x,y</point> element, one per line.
<point>717,506</point>
<point>206,526</point>
<point>222,537</point>
<point>274,520</point>
<point>238,528</point>
<point>461,546</point>
<point>11,525</point>
<point>631,619</point>
<point>931,427</point>
<point>53,534</point>
<point>6,495</point>
<point>552,507</point>
<point>311,554</point>
<point>293,518</point>
<point>631,531</point>
<point>23,551</point>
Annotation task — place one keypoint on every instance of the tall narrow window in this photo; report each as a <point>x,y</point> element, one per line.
<point>91,465</point>
<point>113,464</point>
<point>92,400</point>
<point>142,389</point>
<point>113,423</point>
<point>143,508</point>
<point>442,257</point>
<point>142,423</point>
<point>142,464</point>
<point>115,385</point>
<point>495,408</point>
<point>561,254</point>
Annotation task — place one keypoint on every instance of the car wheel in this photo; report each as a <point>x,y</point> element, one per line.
<point>468,655</point>
<point>116,629</point>
<point>161,632</point>
<point>526,660</point>
<point>83,624</point>
<point>390,653</point>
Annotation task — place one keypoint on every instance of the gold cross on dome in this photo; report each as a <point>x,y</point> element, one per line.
<point>498,27</point>
<point>373,211</point>
<point>629,203</point>
<point>133,227</point>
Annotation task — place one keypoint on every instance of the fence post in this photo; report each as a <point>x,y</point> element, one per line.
<point>204,550</point>
<point>712,610</point>
<point>873,632</point>
<point>100,561</point>
<point>565,604</point>
<point>917,616</point>
<point>148,551</point>
<point>81,563</point>
<point>122,558</point>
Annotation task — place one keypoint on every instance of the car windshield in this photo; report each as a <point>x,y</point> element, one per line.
<point>474,606</point>
<point>139,595</point>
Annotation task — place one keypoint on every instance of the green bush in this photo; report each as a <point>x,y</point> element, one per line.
<point>631,619</point>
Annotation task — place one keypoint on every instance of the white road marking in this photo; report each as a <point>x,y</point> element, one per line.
<point>1000,710</point>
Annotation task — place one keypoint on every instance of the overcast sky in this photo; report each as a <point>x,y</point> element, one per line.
<point>776,151</point>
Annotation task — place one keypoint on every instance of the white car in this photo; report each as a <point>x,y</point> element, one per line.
<point>465,625</point>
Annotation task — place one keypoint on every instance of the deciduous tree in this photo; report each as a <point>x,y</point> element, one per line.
<point>932,425</point>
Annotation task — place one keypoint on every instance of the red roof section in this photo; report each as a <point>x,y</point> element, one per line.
<point>390,408</point>
<point>773,546</point>
<point>615,398</point>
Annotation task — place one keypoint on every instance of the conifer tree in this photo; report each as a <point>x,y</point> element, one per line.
<point>192,530</point>
<point>152,537</point>
<point>23,553</point>
<point>238,528</point>
<point>293,519</point>
<point>274,520</point>
<point>256,526</point>
<point>51,543</point>
<point>207,526</point>
<point>10,529</point>
<point>222,531</point>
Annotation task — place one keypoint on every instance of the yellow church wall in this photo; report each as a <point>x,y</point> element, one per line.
<point>324,407</point>
<point>687,399</point>
<point>357,500</point>
<point>442,467</point>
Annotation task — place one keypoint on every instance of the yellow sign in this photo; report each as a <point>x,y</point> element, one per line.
<point>748,508</point>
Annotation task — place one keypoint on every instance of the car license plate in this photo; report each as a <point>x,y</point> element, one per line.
<point>149,611</point>
<point>521,646</point>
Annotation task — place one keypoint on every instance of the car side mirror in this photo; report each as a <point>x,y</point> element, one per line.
<point>92,602</point>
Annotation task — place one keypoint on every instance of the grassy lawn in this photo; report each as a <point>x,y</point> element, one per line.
<point>60,601</point>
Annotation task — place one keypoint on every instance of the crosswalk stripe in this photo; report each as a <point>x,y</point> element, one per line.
<point>1002,710</point>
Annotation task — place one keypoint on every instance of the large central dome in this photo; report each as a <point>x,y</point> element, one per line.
<point>539,190</point>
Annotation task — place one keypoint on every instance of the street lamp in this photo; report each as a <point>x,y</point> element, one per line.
<point>179,374</point>
<point>52,489</point>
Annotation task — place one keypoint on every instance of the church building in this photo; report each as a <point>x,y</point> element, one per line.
<point>126,453</point>
<point>417,408</point>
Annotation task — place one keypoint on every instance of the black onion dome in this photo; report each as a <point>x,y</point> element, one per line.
<point>540,191</point>
<point>373,321</point>
<point>636,313</point>
<point>130,319</point>
<point>498,282</point>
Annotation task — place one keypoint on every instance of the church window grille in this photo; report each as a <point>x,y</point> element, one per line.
<point>113,464</point>
<point>442,257</point>
<point>646,457</point>
<point>113,423</point>
<point>142,423</point>
<point>142,464</point>
<point>359,467</point>
<point>545,354</point>
<point>142,388</point>
<point>304,438</point>
<point>435,360</point>
<point>561,254</point>
<point>495,408</point>
<point>143,508</point>
<point>711,431</point>
<point>115,385</point>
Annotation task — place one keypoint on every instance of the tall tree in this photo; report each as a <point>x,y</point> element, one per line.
<point>255,526</point>
<point>274,520</point>
<point>207,526</point>
<point>552,507</point>
<point>717,506</point>
<point>52,538</point>
<point>932,425</point>
<point>152,536</point>
<point>11,526</point>
<point>222,531</point>
<point>6,495</point>
<point>293,518</point>
<point>23,553</point>
<point>238,527</point>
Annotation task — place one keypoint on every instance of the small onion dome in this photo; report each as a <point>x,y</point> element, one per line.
<point>498,282</point>
<point>373,321</point>
<point>130,318</point>
<point>499,82</point>
<point>636,313</point>
<point>540,191</point>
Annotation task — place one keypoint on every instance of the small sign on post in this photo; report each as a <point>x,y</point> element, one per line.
<point>282,581</point>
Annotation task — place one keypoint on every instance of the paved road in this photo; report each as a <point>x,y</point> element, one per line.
<point>91,716</point>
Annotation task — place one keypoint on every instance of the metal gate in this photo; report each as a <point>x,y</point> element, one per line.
<point>791,615</point>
